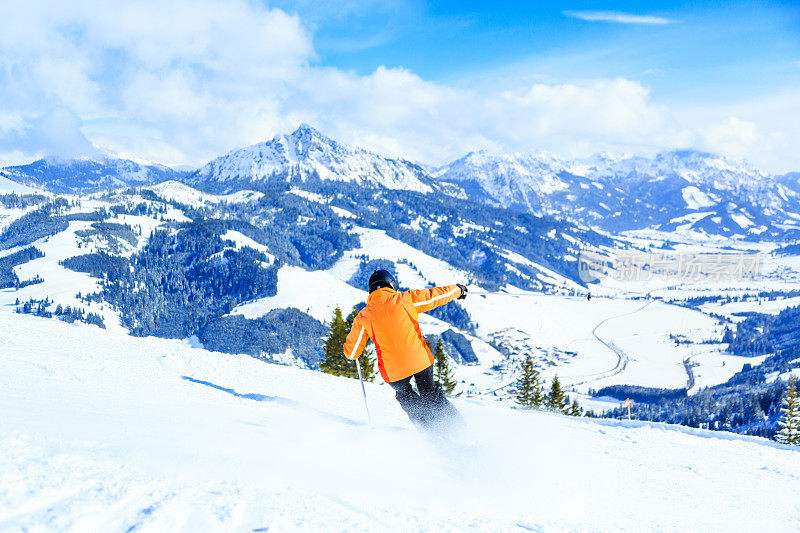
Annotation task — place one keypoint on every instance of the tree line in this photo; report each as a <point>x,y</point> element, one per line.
<point>529,392</point>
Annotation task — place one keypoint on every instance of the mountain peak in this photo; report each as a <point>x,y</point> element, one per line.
<point>306,131</point>
<point>308,154</point>
<point>306,127</point>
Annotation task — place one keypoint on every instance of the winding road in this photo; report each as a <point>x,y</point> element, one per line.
<point>622,357</point>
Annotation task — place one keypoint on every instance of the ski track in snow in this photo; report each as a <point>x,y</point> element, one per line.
<point>104,432</point>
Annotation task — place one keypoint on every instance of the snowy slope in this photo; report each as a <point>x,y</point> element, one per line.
<point>104,432</point>
<point>7,186</point>
<point>307,153</point>
<point>414,268</point>
<point>316,293</point>
<point>60,284</point>
<point>313,292</point>
<point>176,191</point>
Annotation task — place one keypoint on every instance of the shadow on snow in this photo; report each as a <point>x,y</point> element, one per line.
<point>276,399</point>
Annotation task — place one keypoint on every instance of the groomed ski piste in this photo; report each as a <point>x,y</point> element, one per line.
<point>100,431</point>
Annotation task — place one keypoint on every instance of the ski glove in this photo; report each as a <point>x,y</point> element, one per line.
<point>463,291</point>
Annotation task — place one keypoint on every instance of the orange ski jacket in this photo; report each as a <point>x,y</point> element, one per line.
<point>390,320</point>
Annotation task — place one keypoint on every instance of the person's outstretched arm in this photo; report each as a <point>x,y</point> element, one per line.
<point>427,299</point>
<point>356,340</point>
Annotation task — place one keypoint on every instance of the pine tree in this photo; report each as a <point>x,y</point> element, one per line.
<point>367,362</point>
<point>528,389</point>
<point>335,361</point>
<point>790,421</point>
<point>443,374</point>
<point>575,409</point>
<point>556,399</point>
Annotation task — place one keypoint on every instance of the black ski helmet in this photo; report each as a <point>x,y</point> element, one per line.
<point>382,278</point>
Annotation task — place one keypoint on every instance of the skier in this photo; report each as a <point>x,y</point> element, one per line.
<point>390,320</point>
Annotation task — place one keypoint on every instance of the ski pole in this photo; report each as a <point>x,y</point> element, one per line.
<point>363,391</point>
<point>495,293</point>
<point>500,293</point>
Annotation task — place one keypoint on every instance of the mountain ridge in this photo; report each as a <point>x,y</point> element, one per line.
<point>679,190</point>
<point>626,193</point>
<point>85,174</point>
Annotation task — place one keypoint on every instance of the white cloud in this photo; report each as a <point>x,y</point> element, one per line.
<point>618,17</point>
<point>732,136</point>
<point>185,81</point>
<point>196,72</point>
<point>764,130</point>
<point>394,111</point>
<point>57,133</point>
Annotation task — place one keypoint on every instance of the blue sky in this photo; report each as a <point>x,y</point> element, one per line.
<point>702,51</point>
<point>184,81</point>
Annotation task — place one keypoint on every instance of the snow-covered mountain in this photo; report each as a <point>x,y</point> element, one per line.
<point>510,180</point>
<point>77,175</point>
<point>307,154</point>
<point>681,189</point>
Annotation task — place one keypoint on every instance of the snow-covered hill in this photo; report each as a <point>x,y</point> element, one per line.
<point>103,432</point>
<point>73,243</point>
<point>308,154</point>
<point>76,175</point>
<point>175,191</point>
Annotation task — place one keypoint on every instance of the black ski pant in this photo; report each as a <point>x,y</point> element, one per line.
<point>424,408</point>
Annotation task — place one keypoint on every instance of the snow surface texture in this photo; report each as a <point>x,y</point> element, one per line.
<point>103,432</point>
